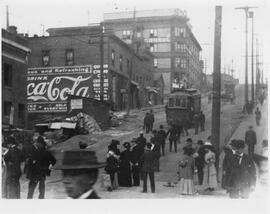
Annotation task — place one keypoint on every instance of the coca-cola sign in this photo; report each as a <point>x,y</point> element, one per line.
<point>48,88</point>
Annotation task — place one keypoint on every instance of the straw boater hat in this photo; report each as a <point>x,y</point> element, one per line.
<point>78,159</point>
<point>207,144</point>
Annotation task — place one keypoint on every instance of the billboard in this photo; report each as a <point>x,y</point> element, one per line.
<point>48,87</point>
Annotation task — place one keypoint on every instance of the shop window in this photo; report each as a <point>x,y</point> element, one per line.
<point>7,75</point>
<point>171,102</point>
<point>69,57</point>
<point>45,58</point>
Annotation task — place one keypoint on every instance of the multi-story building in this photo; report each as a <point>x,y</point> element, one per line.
<point>168,35</point>
<point>15,53</point>
<point>68,61</point>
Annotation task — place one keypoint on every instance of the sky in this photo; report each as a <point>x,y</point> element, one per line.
<point>32,16</point>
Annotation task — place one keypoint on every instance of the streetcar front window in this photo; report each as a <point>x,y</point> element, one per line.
<point>178,102</point>
<point>171,102</point>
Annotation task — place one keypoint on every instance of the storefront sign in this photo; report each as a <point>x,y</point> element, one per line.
<point>48,88</point>
<point>157,40</point>
<point>76,104</point>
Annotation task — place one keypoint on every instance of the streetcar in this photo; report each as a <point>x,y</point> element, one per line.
<point>182,105</point>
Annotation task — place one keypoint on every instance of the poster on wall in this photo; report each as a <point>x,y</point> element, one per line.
<point>48,87</point>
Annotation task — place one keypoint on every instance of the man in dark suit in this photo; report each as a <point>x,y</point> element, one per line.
<point>240,172</point>
<point>250,140</point>
<point>137,152</point>
<point>161,138</point>
<point>148,167</point>
<point>80,172</point>
<point>39,163</point>
<point>13,159</point>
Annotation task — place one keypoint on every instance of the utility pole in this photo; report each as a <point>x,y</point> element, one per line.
<point>246,61</point>
<point>7,14</point>
<point>101,61</point>
<point>257,69</point>
<point>215,132</point>
<point>130,71</point>
<point>251,15</point>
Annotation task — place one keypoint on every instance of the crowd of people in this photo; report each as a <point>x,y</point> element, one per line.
<point>37,161</point>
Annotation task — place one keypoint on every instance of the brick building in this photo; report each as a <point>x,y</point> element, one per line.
<point>15,53</point>
<point>77,49</point>
<point>168,35</point>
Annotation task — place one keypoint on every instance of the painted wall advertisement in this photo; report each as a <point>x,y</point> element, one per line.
<point>48,87</point>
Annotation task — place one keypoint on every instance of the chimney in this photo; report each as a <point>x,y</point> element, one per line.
<point>12,29</point>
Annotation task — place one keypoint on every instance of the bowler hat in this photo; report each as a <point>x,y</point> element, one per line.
<point>126,145</point>
<point>115,142</point>
<point>79,159</point>
<point>189,140</point>
<point>238,144</point>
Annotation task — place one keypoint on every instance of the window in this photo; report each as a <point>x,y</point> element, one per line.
<point>179,32</point>
<point>177,62</point>
<point>21,112</point>
<point>45,58</point>
<point>163,63</point>
<point>121,62</point>
<point>171,102</point>
<point>69,57</point>
<point>153,47</point>
<point>180,47</point>
<point>155,63</point>
<point>7,108</point>
<point>153,33</point>
<point>126,34</point>
<point>113,57</point>
<point>7,75</point>
<point>182,32</point>
<point>183,63</point>
<point>139,34</point>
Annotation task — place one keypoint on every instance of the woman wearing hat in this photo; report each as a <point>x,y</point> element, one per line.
<point>112,163</point>
<point>186,167</point>
<point>209,171</point>
<point>124,177</point>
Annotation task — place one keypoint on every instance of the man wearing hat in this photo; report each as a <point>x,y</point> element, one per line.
<point>13,159</point>
<point>80,173</point>
<point>136,153</point>
<point>148,167</point>
<point>250,140</point>
<point>39,162</point>
<point>240,172</point>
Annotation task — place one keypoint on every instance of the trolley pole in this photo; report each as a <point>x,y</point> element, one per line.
<point>215,132</point>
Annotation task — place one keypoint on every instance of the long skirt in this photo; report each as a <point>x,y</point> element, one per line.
<point>186,187</point>
<point>210,176</point>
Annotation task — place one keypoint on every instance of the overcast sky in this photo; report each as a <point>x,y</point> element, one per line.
<point>31,15</point>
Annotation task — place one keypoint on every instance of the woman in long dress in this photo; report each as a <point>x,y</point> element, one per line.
<point>209,171</point>
<point>125,167</point>
<point>186,167</point>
